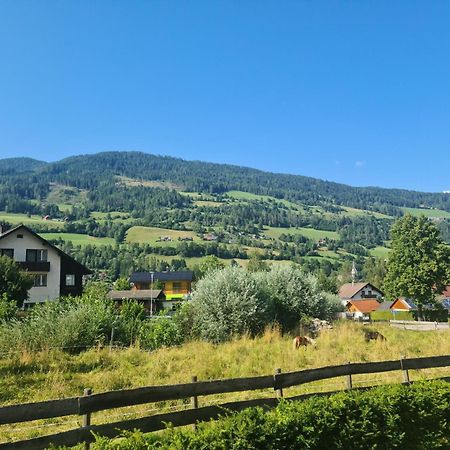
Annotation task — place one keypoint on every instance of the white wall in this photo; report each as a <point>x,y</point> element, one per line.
<point>29,241</point>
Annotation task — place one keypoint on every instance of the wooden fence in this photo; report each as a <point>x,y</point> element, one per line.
<point>90,403</point>
<point>419,325</point>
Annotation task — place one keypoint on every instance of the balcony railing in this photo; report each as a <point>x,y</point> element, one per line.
<point>39,266</point>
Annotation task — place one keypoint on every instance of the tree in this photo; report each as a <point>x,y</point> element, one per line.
<point>14,283</point>
<point>210,263</point>
<point>122,284</point>
<point>374,271</point>
<point>419,263</point>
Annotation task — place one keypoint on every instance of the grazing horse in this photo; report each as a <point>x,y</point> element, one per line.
<point>373,335</point>
<point>302,341</point>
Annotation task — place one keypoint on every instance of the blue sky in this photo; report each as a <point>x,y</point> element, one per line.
<point>356,92</point>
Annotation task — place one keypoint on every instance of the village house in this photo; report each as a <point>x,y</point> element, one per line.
<point>153,300</point>
<point>361,309</point>
<point>358,291</point>
<point>55,274</point>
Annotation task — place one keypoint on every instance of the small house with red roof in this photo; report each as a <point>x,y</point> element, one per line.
<point>361,309</point>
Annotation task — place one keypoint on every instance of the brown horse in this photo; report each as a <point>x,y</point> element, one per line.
<point>373,336</point>
<point>302,341</point>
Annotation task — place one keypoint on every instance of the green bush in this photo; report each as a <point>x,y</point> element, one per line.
<point>405,417</point>
<point>161,331</point>
<point>432,315</point>
<point>233,301</point>
<point>389,315</point>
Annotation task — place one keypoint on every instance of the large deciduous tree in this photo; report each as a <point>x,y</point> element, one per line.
<point>419,262</point>
<point>14,283</point>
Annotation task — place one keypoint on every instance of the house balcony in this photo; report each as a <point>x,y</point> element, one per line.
<point>39,266</point>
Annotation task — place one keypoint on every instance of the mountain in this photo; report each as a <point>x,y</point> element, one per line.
<point>10,166</point>
<point>88,171</point>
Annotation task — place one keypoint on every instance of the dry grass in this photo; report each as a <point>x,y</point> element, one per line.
<point>35,377</point>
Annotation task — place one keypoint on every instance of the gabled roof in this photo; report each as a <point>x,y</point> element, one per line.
<point>144,294</point>
<point>364,306</point>
<point>146,277</point>
<point>83,268</point>
<point>348,290</point>
<point>409,302</point>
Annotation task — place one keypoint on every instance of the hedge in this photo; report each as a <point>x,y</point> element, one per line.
<point>407,417</point>
<point>389,315</point>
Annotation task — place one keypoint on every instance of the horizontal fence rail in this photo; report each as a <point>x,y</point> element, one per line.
<point>85,405</point>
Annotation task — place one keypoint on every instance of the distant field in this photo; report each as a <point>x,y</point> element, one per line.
<point>207,203</point>
<point>150,235</point>
<point>241,195</point>
<point>363,212</point>
<point>310,233</point>
<point>149,183</point>
<point>16,219</point>
<point>79,239</point>
<point>379,252</point>
<point>438,213</point>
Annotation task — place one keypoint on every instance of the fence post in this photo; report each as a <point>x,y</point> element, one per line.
<point>279,392</point>
<point>405,372</point>
<point>86,417</point>
<point>349,379</point>
<point>194,400</point>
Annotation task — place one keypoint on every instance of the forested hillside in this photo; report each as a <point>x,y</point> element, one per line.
<point>143,202</point>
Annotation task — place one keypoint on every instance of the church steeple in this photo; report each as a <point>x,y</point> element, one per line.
<point>354,273</point>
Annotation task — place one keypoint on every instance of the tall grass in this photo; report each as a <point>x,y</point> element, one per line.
<point>35,376</point>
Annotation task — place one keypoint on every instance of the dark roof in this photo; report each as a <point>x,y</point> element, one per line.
<point>144,294</point>
<point>385,306</point>
<point>83,269</point>
<point>146,277</point>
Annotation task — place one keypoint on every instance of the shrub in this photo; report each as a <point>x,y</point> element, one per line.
<point>233,301</point>
<point>413,417</point>
<point>229,302</point>
<point>159,332</point>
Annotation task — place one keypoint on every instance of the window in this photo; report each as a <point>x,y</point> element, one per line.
<point>36,255</point>
<point>70,280</point>
<point>40,280</point>
<point>7,252</point>
<point>176,286</point>
<point>20,236</point>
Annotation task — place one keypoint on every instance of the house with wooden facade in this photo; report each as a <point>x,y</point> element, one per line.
<point>55,274</point>
<point>153,300</point>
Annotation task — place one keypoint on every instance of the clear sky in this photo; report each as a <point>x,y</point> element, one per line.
<point>356,92</point>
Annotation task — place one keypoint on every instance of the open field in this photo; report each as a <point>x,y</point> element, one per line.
<point>79,239</point>
<point>310,233</point>
<point>362,212</point>
<point>40,376</point>
<point>435,213</point>
<point>379,252</point>
<point>149,235</point>
<point>116,216</point>
<point>16,219</point>
<point>149,183</point>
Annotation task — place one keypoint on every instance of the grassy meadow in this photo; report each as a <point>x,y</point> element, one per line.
<point>28,377</point>
<point>310,233</point>
<point>79,239</point>
<point>431,213</point>
<point>150,235</point>
<point>16,219</point>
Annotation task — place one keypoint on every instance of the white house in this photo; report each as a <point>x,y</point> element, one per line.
<point>54,273</point>
<point>358,291</point>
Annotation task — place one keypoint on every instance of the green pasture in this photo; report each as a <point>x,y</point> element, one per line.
<point>310,233</point>
<point>434,213</point>
<point>379,252</point>
<point>16,219</point>
<point>79,239</point>
<point>149,235</point>
<point>363,212</point>
<point>115,215</point>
